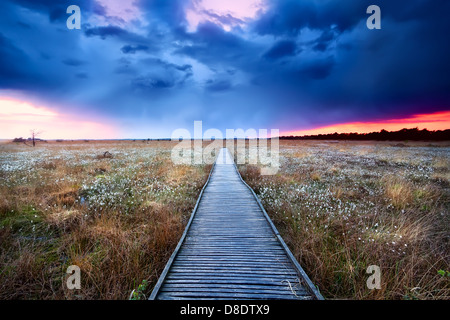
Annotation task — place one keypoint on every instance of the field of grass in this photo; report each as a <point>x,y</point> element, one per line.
<point>118,215</point>
<point>343,206</point>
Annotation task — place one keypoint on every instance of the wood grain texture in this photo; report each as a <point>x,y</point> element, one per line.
<point>230,248</point>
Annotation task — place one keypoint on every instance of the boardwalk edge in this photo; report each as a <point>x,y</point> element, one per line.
<point>314,290</point>
<point>175,252</point>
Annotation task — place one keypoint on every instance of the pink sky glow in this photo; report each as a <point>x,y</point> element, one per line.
<point>240,9</point>
<point>17,118</point>
<point>432,121</point>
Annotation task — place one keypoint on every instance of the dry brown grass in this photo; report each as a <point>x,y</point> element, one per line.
<point>399,191</point>
<point>46,227</point>
<point>340,208</point>
<point>350,205</point>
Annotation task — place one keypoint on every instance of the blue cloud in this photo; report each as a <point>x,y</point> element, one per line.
<point>296,60</point>
<point>218,85</point>
<point>15,71</point>
<point>130,49</point>
<point>104,32</point>
<point>318,69</point>
<point>73,62</point>
<point>281,49</point>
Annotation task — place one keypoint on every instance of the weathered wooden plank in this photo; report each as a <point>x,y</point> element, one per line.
<point>292,279</point>
<point>234,256</point>
<point>233,266</point>
<point>227,295</point>
<point>235,286</point>
<point>228,289</point>
<point>232,259</point>
<point>267,258</point>
<point>169,297</point>
<point>267,270</point>
<point>239,281</point>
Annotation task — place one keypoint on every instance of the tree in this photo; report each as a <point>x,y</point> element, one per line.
<point>34,135</point>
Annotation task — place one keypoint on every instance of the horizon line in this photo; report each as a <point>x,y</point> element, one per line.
<point>235,138</point>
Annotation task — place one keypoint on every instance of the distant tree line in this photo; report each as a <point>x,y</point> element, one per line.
<point>30,140</point>
<point>405,134</point>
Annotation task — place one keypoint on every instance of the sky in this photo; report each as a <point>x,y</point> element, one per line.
<point>144,68</point>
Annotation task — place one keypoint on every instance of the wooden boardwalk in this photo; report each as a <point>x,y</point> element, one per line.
<point>231,249</point>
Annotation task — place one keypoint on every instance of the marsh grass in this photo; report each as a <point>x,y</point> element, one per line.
<point>118,217</point>
<point>347,206</point>
<point>339,206</point>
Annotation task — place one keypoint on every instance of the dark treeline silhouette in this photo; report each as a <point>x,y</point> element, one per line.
<point>405,134</point>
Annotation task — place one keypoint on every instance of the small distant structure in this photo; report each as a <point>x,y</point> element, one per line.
<point>105,155</point>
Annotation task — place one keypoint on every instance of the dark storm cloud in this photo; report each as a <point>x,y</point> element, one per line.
<point>73,62</point>
<point>130,49</point>
<point>82,75</point>
<point>295,61</point>
<point>35,54</point>
<point>323,42</point>
<point>167,66</point>
<point>12,63</point>
<point>104,32</point>
<point>163,75</point>
<point>171,13</point>
<point>139,43</point>
<point>212,43</point>
<point>318,69</point>
<point>217,48</point>
<point>226,19</point>
<point>98,9</point>
<point>185,67</point>
<point>56,10</point>
<point>152,82</point>
<point>397,71</point>
<point>289,17</point>
<point>218,85</point>
<point>281,49</point>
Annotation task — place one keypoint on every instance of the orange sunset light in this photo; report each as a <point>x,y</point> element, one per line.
<point>432,121</point>
<point>17,118</point>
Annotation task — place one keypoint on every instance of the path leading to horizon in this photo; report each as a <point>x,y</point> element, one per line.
<point>231,249</point>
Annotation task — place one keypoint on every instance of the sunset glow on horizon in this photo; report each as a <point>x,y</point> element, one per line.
<point>431,122</point>
<point>142,69</point>
<point>17,118</point>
